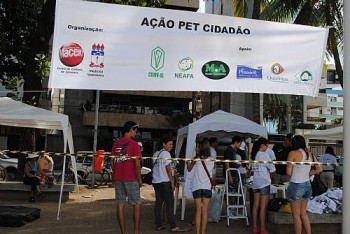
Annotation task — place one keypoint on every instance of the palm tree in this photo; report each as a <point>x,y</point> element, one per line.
<point>306,12</point>
<point>325,13</point>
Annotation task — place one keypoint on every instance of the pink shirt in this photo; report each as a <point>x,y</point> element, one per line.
<point>124,169</point>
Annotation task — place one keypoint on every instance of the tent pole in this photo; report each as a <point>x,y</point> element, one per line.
<point>346,90</point>
<point>97,105</point>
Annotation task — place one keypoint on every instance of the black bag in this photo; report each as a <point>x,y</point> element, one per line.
<point>276,203</point>
<point>148,178</point>
<point>318,187</point>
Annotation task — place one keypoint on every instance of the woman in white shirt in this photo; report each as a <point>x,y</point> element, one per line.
<point>201,186</point>
<point>261,183</point>
<point>163,184</point>
<point>299,188</point>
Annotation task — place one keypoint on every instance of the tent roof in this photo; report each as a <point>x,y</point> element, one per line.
<point>218,124</point>
<point>14,113</point>
<point>19,114</point>
<point>221,124</point>
<point>329,134</point>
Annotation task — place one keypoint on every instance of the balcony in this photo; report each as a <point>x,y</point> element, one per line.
<point>116,116</point>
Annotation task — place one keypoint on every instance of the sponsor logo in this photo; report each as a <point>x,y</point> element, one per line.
<point>157,58</point>
<point>215,70</point>
<point>185,65</point>
<point>304,77</point>
<point>97,56</point>
<point>71,54</point>
<point>248,72</point>
<point>277,69</point>
<point>157,63</point>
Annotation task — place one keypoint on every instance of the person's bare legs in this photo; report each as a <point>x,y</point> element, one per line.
<point>137,218</point>
<point>204,218</point>
<point>121,217</point>
<point>198,203</point>
<point>256,209</point>
<point>295,206</point>
<point>304,217</point>
<point>263,204</point>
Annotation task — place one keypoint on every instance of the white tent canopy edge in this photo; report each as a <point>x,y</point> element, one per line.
<point>217,124</point>
<point>328,134</point>
<point>18,114</point>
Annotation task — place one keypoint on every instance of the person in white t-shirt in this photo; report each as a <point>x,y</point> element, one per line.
<point>201,185</point>
<point>261,183</point>
<point>163,184</point>
<point>271,154</point>
<point>327,175</point>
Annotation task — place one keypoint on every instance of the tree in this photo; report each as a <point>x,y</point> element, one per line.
<point>307,12</point>
<point>326,13</point>
<point>26,28</point>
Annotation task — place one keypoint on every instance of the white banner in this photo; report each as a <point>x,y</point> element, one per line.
<point>114,47</point>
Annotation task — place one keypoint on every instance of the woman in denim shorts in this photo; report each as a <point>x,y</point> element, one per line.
<point>201,186</point>
<point>299,189</point>
<point>261,184</point>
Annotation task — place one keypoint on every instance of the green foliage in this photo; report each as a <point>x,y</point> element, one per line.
<point>18,19</point>
<point>143,3</point>
<point>12,84</point>
<point>43,66</point>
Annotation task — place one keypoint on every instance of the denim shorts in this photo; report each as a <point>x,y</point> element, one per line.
<point>263,191</point>
<point>202,193</point>
<point>299,191</point>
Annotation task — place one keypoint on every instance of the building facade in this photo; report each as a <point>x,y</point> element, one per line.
<point>327,108</point>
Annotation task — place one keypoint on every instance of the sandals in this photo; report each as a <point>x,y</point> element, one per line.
<point>160,228</point>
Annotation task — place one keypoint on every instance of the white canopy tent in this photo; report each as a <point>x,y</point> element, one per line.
<point>218,124</point>
<point>18,114</point>
<point>328,134</point>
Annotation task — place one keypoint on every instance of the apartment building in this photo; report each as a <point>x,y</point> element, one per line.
<point>327,108</point>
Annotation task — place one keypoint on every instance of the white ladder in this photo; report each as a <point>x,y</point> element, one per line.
<point>235,211</point>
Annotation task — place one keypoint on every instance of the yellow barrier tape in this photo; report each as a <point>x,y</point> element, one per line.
<point>176,159</point>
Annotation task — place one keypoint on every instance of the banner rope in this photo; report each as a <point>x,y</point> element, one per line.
<point>125,157</point>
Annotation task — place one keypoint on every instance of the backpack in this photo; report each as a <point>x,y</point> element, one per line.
<point>276,203</point>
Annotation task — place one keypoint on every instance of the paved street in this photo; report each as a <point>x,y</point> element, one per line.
<point>93,211</point>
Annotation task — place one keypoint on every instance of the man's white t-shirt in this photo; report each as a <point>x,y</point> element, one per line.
<point>261,177</point>
<point>241,169</point>
<point>271,154</point>
<point>200,179</point>
<point>159,168</point>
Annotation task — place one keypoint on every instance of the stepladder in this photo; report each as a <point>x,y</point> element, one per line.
<point>235,197</point>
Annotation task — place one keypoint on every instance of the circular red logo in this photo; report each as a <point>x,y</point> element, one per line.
<point>71,54</point>
<point>277,69</point>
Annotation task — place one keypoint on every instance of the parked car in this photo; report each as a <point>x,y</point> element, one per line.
<point>10,164</point>
<point>84,161</point>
